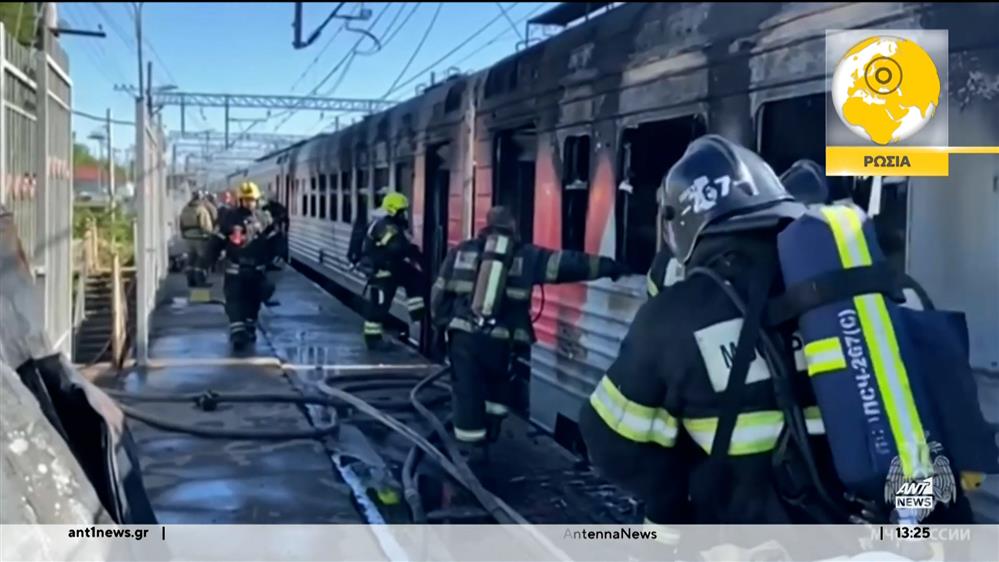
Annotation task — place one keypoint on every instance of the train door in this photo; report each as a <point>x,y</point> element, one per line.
<point>437,183</point>
<point>794,128</point>
<point>514,155</point>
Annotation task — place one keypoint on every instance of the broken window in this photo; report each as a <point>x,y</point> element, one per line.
<point>363,194</point>
<point>404,179</point>
<point>334,197</point>
<point>647,153</point>
<point>794,129</point>
<point>304,211</point>
<point>312,196</point>
<point>381,185</point>
<point>575,191</point>
<point>346,188</point>
<point>322,197</point>
<point>289,196</point>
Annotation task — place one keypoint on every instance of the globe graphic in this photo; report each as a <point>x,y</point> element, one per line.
<point>885,89</point>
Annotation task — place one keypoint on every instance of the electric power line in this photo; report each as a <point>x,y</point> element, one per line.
<point>409,16</point>
<point>509,19</point>
<point>434,64</point>
<point>498,37</point>
<point>86,115</point>
<point>316,59</point>
<point>416,51</point>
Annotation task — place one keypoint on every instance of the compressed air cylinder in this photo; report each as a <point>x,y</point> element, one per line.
<point>490,280</point>
<point>868,386</point>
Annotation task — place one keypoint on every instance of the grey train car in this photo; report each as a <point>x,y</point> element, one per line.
<point>576,132</point>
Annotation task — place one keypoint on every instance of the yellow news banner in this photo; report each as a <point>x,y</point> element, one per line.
<point>896,161</point>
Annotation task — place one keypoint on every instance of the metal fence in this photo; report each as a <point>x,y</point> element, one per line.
<point>35,171</point>
<point>155,224</point>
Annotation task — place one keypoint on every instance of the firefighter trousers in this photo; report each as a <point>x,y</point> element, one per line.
<point>380,293</point>
<point>197,263</point>
<point>244,293</point>
<point>480,382</point>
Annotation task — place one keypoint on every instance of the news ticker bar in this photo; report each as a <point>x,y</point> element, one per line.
<point>896,161</point>
<point>497,543</point>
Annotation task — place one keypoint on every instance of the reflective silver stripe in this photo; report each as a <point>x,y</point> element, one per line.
<point>813,421</point>
<point>415,303</point>
<point>518,294</point>
<point>383,274</point>
<point>594,267</point>
<point>469,435</point>
<point>496,409</point>
<point>460,286</point>
<point>372,328</point>
<point>631,420</point>
<point>522,336</point>
<point>551,270</point>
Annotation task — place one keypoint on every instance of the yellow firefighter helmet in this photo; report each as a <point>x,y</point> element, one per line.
<point>248,190</point>
<point>394,203</point>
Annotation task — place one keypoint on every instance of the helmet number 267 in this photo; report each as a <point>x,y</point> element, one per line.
<point>704,194</point>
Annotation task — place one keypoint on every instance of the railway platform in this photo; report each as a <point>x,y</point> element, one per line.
<point>310,342</point>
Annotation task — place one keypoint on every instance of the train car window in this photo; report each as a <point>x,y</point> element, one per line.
<point>347,212</point>
<point>312,197</point>
<point>381,185</point>
<point>278,192</point>
<point>323,202</point>
<point>289,189</point>
<point>404,179</point>
<point>781,144</point>
<point>334,197</point>
<point>363,194</point>
<point>304,211</point>
<point>647,152</point>
<point>575,191</point>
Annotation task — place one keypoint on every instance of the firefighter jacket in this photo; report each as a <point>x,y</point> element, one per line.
<point>279,213</point>
<point>649,424</point>
<point>663,272</point>
<point>196,221</point>
<point>387,249</point>
<point>451,295</point>
<point>248,238</point>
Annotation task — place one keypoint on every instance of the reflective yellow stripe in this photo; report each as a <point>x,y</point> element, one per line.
<point>879,335</point>
<point>383,274</point>
<point>631,420</point>
<point>823,356</point>
<point>652,287</point>
<point>551,270</point>
<point>372,328</point>
<point>755,432</point>
<point>386,237</point>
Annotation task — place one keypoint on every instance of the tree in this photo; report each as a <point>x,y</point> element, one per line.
<point>82,155</point>
<point>19,20</point>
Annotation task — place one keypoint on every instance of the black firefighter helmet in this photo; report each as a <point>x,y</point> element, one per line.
<point>718,186</point>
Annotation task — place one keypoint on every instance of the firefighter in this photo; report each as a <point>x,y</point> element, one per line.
<point>710,416</point>
<point>279,213</point>
<point>197,228</point>
<point>482,300</point>
<point>249,239</point>
<point>389,259</point>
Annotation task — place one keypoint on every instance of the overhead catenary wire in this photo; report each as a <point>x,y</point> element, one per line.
<point>85,115</point>
<point>509,19</point>
<point>447,55</point>
<point>416,51</point>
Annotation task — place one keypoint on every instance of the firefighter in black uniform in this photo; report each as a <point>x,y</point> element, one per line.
<point>482,299</point>
<point>652,421</point>
<point>389,259</point>
<point>282,222</point>
<point>249,239</point>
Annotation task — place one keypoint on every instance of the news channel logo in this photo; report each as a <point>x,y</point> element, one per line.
<point>886,104</point>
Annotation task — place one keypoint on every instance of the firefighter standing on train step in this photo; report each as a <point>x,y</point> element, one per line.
<point>197,226</point>
<point>249,239</point>
<point>389,260</point>
<point>482,299</point>
<point>712,416</point>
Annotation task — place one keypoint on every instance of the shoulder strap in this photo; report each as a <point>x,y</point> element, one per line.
<point>745,351</point>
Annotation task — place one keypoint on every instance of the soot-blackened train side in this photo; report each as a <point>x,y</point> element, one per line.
<point>576,132</point>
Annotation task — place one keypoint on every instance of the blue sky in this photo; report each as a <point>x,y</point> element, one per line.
<point>247,47</point>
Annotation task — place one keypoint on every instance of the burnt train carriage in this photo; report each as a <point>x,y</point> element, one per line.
<point>576,133</point>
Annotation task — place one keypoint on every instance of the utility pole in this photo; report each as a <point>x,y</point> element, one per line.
<point>137,6</point>
<point>111,167</point>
